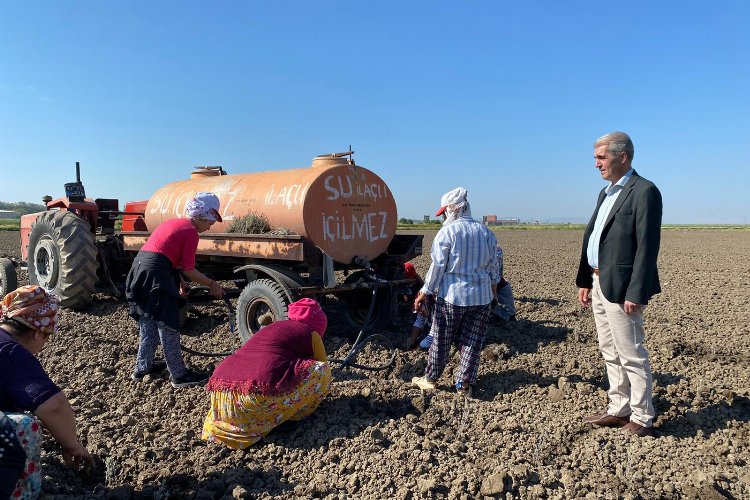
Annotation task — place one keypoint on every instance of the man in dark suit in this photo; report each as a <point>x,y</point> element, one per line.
<point>617,276</point>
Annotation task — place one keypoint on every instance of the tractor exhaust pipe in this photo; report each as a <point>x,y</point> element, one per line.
<point>74,190</point>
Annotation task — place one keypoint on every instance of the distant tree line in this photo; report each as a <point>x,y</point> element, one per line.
<point>22,207</point>
<point>407,222</point>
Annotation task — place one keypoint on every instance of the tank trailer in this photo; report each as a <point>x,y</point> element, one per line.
<point>333,239</point>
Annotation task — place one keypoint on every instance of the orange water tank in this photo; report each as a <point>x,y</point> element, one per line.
<point>344,209</point>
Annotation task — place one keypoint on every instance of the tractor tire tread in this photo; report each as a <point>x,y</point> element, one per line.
<point>77,251</point>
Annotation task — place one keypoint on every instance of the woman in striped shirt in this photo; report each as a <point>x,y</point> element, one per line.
<point>463,278</point>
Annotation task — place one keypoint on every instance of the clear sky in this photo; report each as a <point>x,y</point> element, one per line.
<point>504,98</point>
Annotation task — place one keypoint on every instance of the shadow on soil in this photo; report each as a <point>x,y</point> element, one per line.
<point>326,425</point>
<point>708,419</point>
<point>523,336</point>
<point>236,480</point>
<point>506,382</point>
<point>534,300</point>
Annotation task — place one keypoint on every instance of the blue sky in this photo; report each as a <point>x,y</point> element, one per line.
<point>504,98</point>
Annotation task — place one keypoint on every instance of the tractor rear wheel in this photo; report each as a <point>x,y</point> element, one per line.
<point>8,278</point>
<point>62,257</point>
<point>259,297</point>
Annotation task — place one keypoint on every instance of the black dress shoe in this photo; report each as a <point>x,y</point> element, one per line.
<point>607,420</point>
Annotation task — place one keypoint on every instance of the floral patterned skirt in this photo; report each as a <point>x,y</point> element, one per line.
<point>240,420</point>
<point>27,432</point>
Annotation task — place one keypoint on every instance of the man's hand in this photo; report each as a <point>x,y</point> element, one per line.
<point>584,296</point>
<point>184,289</point>
<point>419,302</point>
<point>631,307</point>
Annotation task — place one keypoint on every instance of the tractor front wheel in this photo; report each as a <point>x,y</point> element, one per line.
<point>8,278</point>
<point>62,257</point>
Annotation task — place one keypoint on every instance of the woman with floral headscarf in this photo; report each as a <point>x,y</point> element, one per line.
<point>281,373</point>
<point>28,316</point>
<point>155,290</point>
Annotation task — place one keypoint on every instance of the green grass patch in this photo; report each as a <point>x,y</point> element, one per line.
<point>692,227</point>
<point>10,224</point>
<point>518,227</point>
<point>581,227</point>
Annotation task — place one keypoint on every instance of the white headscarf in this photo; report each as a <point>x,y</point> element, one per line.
<point>203,206</point>
<point>454,204</point>
<point>454,212</point>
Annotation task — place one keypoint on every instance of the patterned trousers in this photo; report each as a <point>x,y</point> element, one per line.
<point>150,334</point>
<point>464,326</point>
<point>20,450</point>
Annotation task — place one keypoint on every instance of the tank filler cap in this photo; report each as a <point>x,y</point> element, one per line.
<point>207,172</point>
<point>333,159</point>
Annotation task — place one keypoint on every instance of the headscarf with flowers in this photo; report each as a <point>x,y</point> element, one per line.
<point>32,306</point>
<point>203,206</point>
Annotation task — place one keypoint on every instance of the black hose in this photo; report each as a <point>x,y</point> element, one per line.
<point>358,347</point>
<point>360,343</point>
<point>232,322</point>
<point>206,354</point>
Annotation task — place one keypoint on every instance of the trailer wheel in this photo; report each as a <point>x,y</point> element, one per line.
<point>62,257</point>
<point>258,298</point>
<point>8,278</point>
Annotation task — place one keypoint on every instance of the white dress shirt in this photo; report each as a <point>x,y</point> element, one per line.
<point>611,193</point>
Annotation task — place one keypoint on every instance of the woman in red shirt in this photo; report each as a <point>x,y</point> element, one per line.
<point>155,291</point>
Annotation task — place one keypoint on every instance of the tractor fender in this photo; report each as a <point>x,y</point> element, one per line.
<point>281,275</point>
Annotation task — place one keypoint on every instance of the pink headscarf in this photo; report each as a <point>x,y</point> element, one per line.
<point>32,306</point>
<point>309,312</point>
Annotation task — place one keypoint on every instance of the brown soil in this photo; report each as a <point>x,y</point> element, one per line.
<point>376,436</point>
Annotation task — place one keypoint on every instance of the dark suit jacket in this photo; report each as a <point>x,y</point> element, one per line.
<point>629,245</point>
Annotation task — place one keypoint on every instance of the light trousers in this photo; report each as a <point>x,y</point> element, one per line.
<point>506,306</point>
<point>625,357</point>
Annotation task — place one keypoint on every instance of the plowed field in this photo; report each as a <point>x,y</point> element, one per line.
<point>377,437</point>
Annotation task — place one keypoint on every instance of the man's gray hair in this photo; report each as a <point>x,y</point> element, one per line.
<point>618,143</point>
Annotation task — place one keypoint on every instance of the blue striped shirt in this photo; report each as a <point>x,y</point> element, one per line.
<point>464,264</point>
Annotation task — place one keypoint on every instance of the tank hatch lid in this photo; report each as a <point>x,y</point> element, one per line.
<point>333,159</point>
<point>207,171</point>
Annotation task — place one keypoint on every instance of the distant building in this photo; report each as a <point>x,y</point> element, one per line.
<point>9,214</point>
<point>493,220</point>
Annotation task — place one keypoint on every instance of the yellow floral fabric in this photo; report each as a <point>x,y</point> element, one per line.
<point>240,420</point>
